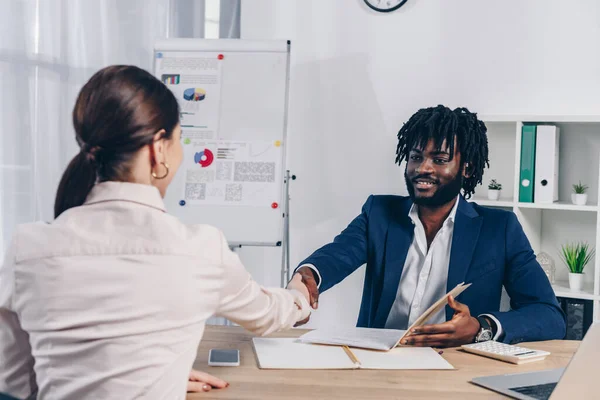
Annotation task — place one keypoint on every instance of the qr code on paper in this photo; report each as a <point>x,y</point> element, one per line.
<point>200,176</point>
<point>254,171</point>
<point>233,192</point>
<point>195,191</point>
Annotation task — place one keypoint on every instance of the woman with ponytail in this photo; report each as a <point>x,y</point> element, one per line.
<point>110,300</point>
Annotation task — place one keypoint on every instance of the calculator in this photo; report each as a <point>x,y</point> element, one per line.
<point>505,352</point>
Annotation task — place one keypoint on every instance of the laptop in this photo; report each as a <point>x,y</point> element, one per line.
<point>576,381</point>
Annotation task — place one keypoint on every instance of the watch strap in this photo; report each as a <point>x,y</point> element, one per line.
<point>484,323</point>
<point>484,327</point>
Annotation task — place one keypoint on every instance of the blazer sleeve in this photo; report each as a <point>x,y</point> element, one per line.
<point>259,310</point>
<point>348,251</point>
<point>535,313</point>
<point>17,377</point>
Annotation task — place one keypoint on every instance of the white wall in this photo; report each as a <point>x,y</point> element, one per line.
<point>358,75</point>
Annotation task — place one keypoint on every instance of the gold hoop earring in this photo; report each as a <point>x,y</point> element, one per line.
<point>166,173</point>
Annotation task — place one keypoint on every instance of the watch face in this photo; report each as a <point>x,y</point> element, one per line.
<point>385,5</point>
<point>484,336</point>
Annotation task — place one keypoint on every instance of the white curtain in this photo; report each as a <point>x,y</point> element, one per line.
<point>48,50</point>
<point>229,19</point>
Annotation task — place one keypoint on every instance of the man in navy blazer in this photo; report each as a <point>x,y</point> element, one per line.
<point>418,248</point>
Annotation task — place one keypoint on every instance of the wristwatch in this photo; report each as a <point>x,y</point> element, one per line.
<point>485,331</point>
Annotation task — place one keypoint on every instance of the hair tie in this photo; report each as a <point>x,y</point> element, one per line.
<point>90,151</point>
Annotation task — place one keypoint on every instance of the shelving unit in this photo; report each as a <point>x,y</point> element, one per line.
<point>561,289</point>
<point>493,203</point>
<point>549,226</point>
<point>559,205</point>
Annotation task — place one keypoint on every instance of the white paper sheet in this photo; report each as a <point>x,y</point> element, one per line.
<point>230,172</point>
<point>437,306</point>
<point>289,353</point>
<point>402,358</point>
<point>366,338</point>
<point>196,83</point>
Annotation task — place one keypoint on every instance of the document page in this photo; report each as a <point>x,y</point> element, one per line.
<point>373,338</point>
<point>437,306</point>
<point>366,338</point>
<point>288,353</point>
<point>402,358</point>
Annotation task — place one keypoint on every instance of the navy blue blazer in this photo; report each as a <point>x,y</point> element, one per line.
<point>489,250</point>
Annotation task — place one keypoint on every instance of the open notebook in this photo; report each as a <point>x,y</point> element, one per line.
<point>290,354</point>
<point>375,339</point>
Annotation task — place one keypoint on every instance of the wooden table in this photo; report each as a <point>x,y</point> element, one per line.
<point>249,382</point>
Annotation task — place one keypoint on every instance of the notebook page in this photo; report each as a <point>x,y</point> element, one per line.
<point>366,338</point>
<point>288,353</point>
<point>402,358</point>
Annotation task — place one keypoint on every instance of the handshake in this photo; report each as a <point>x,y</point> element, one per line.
<point>304,282</point>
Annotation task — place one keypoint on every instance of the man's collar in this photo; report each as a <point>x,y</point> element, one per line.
<point>413,213</point>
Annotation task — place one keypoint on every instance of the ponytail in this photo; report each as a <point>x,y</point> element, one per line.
<point>75,184</point>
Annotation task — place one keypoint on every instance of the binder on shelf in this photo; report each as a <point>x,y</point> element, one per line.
<point>527,172</point>
<point>546,164</point>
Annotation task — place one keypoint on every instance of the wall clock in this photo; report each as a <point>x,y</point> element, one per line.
<point>385,5</point>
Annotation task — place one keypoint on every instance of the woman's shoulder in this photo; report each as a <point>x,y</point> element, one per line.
<point>30,230</point>
<point>31,235</point>
<point>164,234</point>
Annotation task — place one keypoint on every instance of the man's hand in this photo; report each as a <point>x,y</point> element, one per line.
<point>203,382</point>
<point>305,276</point>
<point>297,284</point>
<point>461,329</point>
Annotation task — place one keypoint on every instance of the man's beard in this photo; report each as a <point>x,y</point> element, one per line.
<point>444,193</point>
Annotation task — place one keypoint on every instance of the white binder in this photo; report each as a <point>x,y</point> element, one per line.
<point>546,164</point>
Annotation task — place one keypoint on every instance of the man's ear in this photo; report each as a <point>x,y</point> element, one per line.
<point>467,170</point>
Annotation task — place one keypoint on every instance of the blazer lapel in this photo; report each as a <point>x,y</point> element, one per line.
<point>467,226</point>
<point>397,242</point>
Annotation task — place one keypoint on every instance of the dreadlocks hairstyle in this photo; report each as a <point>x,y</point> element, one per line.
<point>440,123</point>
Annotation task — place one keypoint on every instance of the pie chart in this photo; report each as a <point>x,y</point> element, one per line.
<point>204,158</point>
<point>194,94</point>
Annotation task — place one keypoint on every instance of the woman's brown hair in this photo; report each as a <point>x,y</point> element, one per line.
<point>118,112</point>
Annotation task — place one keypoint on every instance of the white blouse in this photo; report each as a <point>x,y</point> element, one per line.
<point>110,300</point>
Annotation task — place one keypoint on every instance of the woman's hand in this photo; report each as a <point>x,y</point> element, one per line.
<point>203,382</point>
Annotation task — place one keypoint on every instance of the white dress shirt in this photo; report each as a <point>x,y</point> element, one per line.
<point>424,276</point>
<point>110,300</point>
<point>425,273</point>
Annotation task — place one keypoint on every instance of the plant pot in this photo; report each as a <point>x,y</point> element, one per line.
<point>493,194</point>
<point>575,281</point>
<point>579,199</point>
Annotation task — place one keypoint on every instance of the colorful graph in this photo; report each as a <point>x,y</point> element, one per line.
<point>170,79</point>
<point>194,94</point>
<point>204,158</point>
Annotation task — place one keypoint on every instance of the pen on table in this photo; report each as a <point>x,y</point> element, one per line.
<point>351,355</point>
<point>522,354</point>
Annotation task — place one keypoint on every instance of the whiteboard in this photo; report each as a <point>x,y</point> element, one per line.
<point>233,96</point>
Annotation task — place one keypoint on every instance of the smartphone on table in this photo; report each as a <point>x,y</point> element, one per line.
<point>224,357</point>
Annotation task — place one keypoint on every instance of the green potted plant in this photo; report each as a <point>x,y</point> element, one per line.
<point>576,257</point>
<point>579,195</point>
<point>494,189</point>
